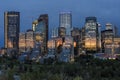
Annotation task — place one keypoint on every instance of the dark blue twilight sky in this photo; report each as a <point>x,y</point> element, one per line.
<point>104,10</point>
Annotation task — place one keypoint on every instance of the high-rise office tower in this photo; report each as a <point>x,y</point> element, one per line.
<point>42,29</point>
<point>65,19</point>
<point>110,26</point>
<point>11,29</point>
<point>107,36</point>
<point>91,34</point>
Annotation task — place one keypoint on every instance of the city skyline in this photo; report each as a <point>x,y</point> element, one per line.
<point>81,9</point>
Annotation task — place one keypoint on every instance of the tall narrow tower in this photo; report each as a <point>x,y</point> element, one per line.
<point>11,29</point>
<point>65,19</point>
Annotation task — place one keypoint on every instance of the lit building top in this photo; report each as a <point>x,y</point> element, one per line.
<point>91,19</point>
<point>34,24</point>
<point>109,26</point>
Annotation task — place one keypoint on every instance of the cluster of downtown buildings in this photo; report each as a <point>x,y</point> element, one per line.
<point>66,41</point>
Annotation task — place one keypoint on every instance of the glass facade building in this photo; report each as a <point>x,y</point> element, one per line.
<point>41,32</point>
<point>11,29</point>
<point>91,34</point>
<point>65,19</point>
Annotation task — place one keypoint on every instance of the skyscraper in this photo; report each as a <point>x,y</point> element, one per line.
<point>11,29</point>
<point>65,19</point>
<point>42,29</point>
<point>91,34</point>
<point>107,36</point>
<point>110,26</point>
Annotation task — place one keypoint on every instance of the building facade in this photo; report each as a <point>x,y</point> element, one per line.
<point>67,54</point>
<point>109,26</point>
<point>61,31</point>
<point>11,29</point>
<point>41,30</point>
<point>22,42</point>
<point>76,34</point>
<point>107,36</point>
<point>54,45</point>
<point>65,19</point>
<point>54,32</point>
<point>91,34</point>
<point>29,40</point>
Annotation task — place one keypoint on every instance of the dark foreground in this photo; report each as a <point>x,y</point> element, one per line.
<point>84,68</point>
